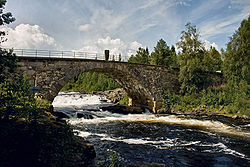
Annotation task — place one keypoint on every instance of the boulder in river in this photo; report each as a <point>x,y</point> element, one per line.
<point>84,115</point>
<point>60,115</point>
<point>122,109</point>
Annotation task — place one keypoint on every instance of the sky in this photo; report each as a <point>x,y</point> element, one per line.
<point>119,25</point>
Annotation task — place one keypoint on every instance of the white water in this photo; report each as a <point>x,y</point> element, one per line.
<point>77,100</point>
<point>80,102</point>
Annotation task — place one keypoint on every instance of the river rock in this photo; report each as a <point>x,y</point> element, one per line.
<point>114,95</point>
<point>145,164</point>
<point>84,115</point>
<point>122,109</point>
<point>88,154</point>
<point>60,115</point>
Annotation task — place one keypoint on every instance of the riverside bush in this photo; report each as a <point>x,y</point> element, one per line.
<point>234,99</point>
<point>28,137</point>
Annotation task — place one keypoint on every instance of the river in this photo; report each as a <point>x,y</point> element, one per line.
<point>163,139</point>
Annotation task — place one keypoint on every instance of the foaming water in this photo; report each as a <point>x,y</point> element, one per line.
<point>165,139</point>
<point>78,100</point>
<point>209,125</point>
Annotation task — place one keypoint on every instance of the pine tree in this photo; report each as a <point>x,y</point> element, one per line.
<point>141,56</point>
<point>236,64</point>
<point>212,60</point>
<point>163,55</point>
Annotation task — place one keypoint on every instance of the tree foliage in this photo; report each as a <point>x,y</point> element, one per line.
<point>237,56</point>
<point>212,60</point>
<point>163,54</point>
<point>5,18</point>
<point>16,100</point>
<point>91,81</point>
<point>233,98</point>
<point>142,56</point>
<point>191,60</point>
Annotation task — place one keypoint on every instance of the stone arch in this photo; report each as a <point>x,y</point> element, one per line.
<point>140,95</point>
<point>143,83</point>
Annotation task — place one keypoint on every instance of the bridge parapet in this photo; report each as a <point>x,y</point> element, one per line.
<point>66,54</point>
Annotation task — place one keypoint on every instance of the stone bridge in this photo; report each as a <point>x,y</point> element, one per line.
<point>145,84</point>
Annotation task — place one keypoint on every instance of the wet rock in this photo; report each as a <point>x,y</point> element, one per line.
<point>114,95</point>
<point>88,154</point>
<point>122,109</point>
<point>84,115</point>
<point>60,115</point>
<point>145,164</point>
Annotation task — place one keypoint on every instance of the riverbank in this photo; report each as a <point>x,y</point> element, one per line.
<point>47,142</point>
<point>205,112</point>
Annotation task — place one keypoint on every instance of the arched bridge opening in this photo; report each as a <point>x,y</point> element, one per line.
<point>143,83</point>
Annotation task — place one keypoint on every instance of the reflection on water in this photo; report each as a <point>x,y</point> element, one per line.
<point>170,140</point>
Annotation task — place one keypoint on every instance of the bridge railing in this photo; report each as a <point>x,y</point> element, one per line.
<point>64,54</point>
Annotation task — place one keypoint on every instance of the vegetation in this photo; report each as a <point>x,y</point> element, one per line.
<point>233,97</point>
<point>142,56</point>
<point>237,60</point>
<point>91,81</point>
<point>191,61</point>
<point>198,65</point>
<point>29,134</point>
<point>5,18</point>
<point>112,159</point>
<point>163,55</point>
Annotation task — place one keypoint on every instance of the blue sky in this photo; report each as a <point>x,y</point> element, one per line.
<point>119,25</point>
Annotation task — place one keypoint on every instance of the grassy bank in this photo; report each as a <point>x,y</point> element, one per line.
<point>226,100</point>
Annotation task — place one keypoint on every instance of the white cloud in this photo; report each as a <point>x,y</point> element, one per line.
<point>25,36</point>
<point>135,45</point>
<point>115,46</point>
<point>208,44</point>
<point>183,3</point>
<point>85,27</point>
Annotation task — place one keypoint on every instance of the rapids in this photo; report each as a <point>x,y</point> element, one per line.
<point>164,139</point>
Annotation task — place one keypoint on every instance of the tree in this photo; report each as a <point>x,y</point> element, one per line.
<point>16,100</point>
<point>141,56</point>
<point>163,55</point>
<point>5,18</point>
<point>236,64</point>
<point>212,60</point>
<point>190,60</point>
